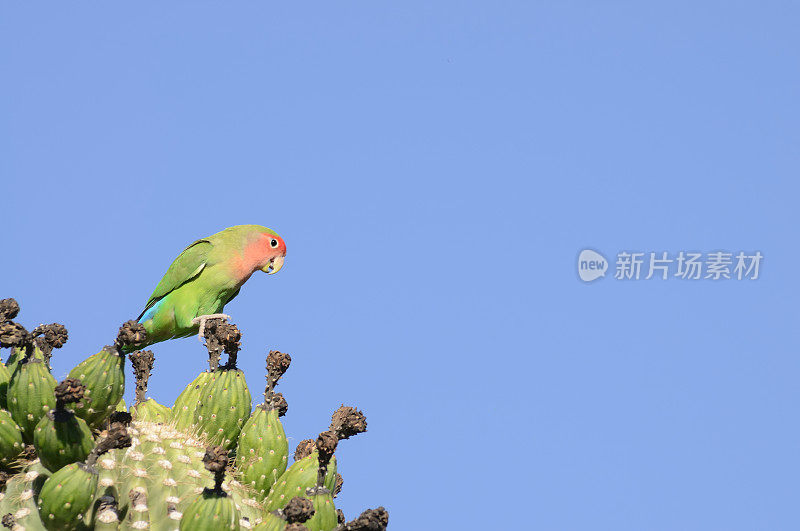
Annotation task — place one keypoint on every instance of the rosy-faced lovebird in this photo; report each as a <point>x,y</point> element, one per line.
<point>206,276</point>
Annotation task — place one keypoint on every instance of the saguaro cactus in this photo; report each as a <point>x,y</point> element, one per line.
<point>206,464</point>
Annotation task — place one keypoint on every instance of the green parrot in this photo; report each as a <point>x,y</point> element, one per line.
<point>205,277</point>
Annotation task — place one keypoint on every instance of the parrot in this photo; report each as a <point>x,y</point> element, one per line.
<point>206,276</point>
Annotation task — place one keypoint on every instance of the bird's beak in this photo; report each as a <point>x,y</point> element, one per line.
<point>274,265</point>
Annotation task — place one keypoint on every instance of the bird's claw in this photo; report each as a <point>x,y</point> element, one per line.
<point>202,320</point>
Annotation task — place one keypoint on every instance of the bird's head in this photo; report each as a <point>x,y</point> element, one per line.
<point>275,251</point>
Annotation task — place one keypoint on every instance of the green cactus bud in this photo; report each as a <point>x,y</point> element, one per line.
<point>297,512</point>
<point>300,476</point>
<point>13,361</point>
<point>183,411</point>
<point>103,374</point>
<point>151,411</point>
<point>271,522</point>
<point>213,509</point>
<point>30,393</point>
<point>325,517</point>
<point>61,437</point>
<point>11,444</point>
<point>66,496</point>
<point>224,407</point>
<point>5,378</point>
<point>49,337</point>
<point>263,450</point>
<point>121,406</point>
<point>18,354</point>
<point>224,404</point>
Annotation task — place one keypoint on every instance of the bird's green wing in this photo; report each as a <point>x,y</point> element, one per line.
<point>186,267</point>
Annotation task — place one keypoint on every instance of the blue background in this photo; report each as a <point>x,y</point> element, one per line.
<point>435,168</point>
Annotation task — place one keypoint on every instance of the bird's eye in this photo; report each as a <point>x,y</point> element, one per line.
<point>273,243</point>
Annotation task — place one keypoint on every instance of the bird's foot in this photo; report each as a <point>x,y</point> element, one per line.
<point>202,320</point>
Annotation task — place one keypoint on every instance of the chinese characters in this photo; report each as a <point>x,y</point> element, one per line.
<point>688,265</point>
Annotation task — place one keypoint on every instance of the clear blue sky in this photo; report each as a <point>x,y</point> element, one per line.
<point>435,168</point>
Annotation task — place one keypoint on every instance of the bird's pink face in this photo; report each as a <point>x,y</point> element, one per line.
<point>275,250</point>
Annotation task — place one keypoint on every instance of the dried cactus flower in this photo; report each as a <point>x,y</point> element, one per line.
<point>118,420</point>
<point>8,309</point>
<point>230,336</point>
<point>348,421</point>
<point>55,335</point>
<point>13,335</point>
<point>277,365</point>
<point>117,438</point>
<point>69,390</point>
<point>370,520</point>
<point>131,334</point>
<point>304,449</point>
<point>29,452</point>
<point>120,417</point>
<point>278,402</point>
<point>221,336</point>
<point>298,510</point>
<point>142,361</point>
<point>326,445</point>
<point>215,459</point>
